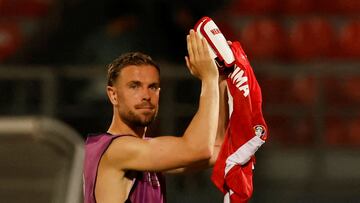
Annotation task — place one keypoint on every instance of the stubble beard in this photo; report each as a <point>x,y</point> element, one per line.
<point>135,120</point>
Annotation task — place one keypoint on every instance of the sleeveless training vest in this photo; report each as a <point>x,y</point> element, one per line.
<point>148,187</point>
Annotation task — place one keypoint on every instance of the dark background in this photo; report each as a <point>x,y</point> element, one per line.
<point>306,55</point>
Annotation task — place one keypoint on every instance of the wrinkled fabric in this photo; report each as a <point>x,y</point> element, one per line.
<point>235,180</point>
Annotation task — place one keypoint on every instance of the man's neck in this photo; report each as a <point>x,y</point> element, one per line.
<point>118,127</point>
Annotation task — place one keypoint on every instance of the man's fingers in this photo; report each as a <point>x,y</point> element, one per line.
<point>194,44</point>
<point>199,44</point>
<point>189,46</point>
<point>187,62</point>
<point>205,47</point>
<point>188,65</point>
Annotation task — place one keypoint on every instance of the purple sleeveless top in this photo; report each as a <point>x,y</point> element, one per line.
<point>148,187</point>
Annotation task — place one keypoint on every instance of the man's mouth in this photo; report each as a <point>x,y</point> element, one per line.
<point>145,106</point>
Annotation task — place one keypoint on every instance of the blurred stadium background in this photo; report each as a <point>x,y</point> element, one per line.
<point>305,53</point>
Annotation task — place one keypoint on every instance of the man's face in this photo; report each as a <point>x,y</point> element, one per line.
<point>137,89</point>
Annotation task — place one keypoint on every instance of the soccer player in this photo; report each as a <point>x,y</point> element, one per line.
<point>121,165</point>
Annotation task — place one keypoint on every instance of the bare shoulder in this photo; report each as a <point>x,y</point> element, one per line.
<point>122,149</point>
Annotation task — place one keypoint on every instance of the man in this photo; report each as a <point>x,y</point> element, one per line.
<point>122,166</point>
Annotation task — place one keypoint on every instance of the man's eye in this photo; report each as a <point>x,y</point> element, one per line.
<point>154,88</point>
<point>133,86</point>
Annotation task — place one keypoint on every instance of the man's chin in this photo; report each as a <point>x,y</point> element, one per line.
<point>143,119</point>
<point>148,121</point>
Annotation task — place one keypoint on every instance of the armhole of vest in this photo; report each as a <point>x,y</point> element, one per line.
<point>102,154</point>
<point>107,147</point>
<point>133,184</point>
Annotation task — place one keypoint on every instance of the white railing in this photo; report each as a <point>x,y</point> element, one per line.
<point>44,152</point>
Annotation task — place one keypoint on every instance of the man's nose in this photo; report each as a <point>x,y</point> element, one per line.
<point>146,94</point>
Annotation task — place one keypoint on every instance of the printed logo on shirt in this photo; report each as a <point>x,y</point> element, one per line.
<point>239,79</point>
<point>259,131</point>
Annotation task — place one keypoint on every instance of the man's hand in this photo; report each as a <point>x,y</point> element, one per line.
<point>199,62</point>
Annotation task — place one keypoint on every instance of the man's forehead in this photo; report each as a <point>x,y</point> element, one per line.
<point>144,73</point>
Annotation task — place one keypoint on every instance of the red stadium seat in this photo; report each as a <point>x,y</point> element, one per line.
<point>333,92</point>
<point>24,8</point>
<point>312,38</point>
<point>296,7</point>
<point>246,7</point>
<point>291,131</point>
<point>304,89</point>
<point>335,131</point>
<point>351,88</point>
<point>10,39</point>
<point>348,6</point>
<point>342,131</point>
<point>275,89</point>
<point>350,40</point>
<point>354,131</point>
<point>303,131</point>
<point>342,91</point>
<point>279,129</point>
<point>263,39</point>
<point>327,7</point>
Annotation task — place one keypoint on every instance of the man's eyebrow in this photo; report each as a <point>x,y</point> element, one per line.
<point>155,84</point>
<point>134,82</point>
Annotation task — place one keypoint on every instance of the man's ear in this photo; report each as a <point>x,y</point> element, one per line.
<point>111,92</point>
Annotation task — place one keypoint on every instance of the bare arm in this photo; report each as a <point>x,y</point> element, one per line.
<point>168,152</point>
<point>221,130</point>
<point>223,120</point>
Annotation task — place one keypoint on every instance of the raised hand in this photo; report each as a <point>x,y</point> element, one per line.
<point>199,62</point>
